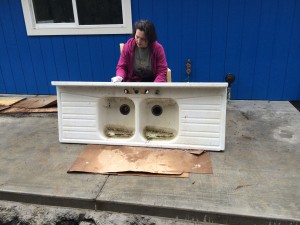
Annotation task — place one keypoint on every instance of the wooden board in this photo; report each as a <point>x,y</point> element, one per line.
<point>8,101</point>
<point>2,107</point>
<point>24,110</point>
<point>37,102</point>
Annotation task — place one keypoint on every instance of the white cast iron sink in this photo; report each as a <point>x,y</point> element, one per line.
<point>164,115</point>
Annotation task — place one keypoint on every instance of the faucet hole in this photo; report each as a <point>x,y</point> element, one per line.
<point>125,109</point>
<point>157,110</point>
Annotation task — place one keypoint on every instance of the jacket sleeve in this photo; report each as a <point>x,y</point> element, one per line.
<point>161,65</point>
<point>122,66</point>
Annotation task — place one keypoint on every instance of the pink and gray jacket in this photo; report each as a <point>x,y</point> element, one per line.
<point>126,62</point>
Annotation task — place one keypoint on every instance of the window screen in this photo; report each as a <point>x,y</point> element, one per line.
<point>91,12</point>
<point>53,11</point>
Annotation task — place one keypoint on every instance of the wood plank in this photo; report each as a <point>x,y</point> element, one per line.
<point>2,107</point>
<point>24,110</point>
<point>37,102</point>
<point>8,101</point>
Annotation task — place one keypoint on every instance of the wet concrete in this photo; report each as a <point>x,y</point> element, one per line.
<point>256,179</point>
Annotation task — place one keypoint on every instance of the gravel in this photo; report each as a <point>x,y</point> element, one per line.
<point>13,213</point>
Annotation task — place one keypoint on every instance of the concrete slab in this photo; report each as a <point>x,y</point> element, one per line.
<point>34,164</point>
<point>255,181</point>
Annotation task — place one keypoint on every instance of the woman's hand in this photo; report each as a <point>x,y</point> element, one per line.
<point>116,79</point>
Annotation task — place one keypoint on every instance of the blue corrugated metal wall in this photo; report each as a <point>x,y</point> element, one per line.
<point>257,40</point>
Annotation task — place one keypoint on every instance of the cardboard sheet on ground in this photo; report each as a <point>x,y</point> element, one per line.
<point>106,159</point>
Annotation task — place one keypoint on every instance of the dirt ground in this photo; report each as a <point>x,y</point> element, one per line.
<point>12,213</point>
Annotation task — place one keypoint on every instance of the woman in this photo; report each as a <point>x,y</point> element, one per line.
<point>142,59</point>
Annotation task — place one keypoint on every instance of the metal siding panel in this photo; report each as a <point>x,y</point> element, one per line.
<point>160,19</point>
<point>108,55</point>
<point>60,58</point>
<point>49,63</point>
<point>96,58</point>
<point>2,84</point>
<point>4,59</point>
<point>84,58</point>
<point>174,38</point>
<point>249,48</point>
<point>189,40</point>
<point>292,79</point>
<point>234,42</point>
<point>264,49</point>
<point>204,42</point>
<point>135,10</point>
<point>12,48</point>
<point>146,9</point>
<point>281,50</point>
<point>219,34</point>
<point>117,40</point>
<point>71,51</point>
<point>269,67</point>
<point>23,47</point>
<point>38,65</point>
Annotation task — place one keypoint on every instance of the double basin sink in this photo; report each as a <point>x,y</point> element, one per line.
<point>163,115</point>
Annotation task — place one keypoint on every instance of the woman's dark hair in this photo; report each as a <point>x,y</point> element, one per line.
<point>148,28</point>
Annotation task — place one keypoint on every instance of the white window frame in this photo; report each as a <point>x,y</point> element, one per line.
<point>34,29</point>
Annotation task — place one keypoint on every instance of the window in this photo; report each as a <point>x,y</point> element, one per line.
<point>69,17</point>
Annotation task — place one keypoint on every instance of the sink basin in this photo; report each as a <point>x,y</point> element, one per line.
<point>160,119</point>
<point>116,117</point>
<point>162,115</point>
